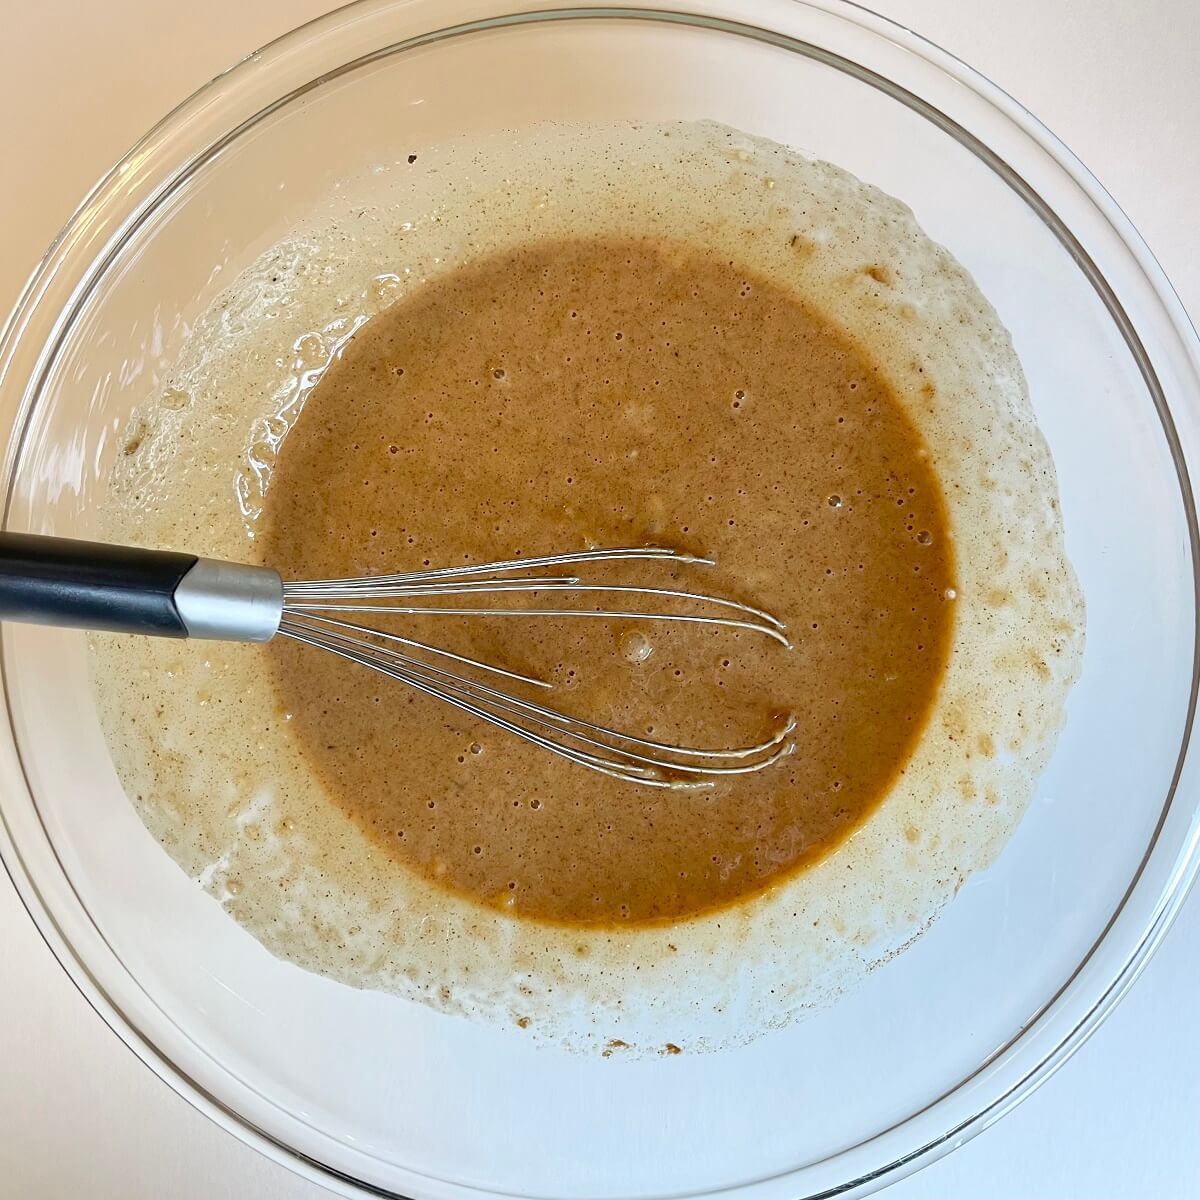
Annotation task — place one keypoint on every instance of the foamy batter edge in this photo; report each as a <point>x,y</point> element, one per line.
<point>258,843</point>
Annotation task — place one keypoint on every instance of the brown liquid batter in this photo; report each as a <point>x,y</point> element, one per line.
<point>608,392</point>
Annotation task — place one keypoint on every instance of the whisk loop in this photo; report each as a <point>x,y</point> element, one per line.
<point>309,610</point>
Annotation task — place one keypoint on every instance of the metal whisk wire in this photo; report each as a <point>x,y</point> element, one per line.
<point>308,609</point>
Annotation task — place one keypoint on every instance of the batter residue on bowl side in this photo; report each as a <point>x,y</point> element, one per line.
<point>573,336</point>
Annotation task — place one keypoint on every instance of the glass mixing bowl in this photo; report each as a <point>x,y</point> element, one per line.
<point>367,1092</point>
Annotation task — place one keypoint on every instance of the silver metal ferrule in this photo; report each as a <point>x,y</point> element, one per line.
<point>230,602</point>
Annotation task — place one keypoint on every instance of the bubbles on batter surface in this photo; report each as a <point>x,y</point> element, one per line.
<point>635,646</point>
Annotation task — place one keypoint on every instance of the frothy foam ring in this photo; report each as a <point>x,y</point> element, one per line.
<point>194,729</point>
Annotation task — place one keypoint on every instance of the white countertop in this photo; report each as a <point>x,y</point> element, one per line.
<point>79,82</point>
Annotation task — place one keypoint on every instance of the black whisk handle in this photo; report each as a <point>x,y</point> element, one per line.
<point>125,589</point>
<point>91,585</point>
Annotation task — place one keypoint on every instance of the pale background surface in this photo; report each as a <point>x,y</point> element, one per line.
<point>79,82</point>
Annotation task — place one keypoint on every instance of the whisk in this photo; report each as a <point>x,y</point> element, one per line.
<point>92,585</point>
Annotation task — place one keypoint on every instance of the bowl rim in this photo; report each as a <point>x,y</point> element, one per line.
<point>105,218</point>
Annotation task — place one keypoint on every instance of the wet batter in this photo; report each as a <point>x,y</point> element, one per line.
<point>612,392</point>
